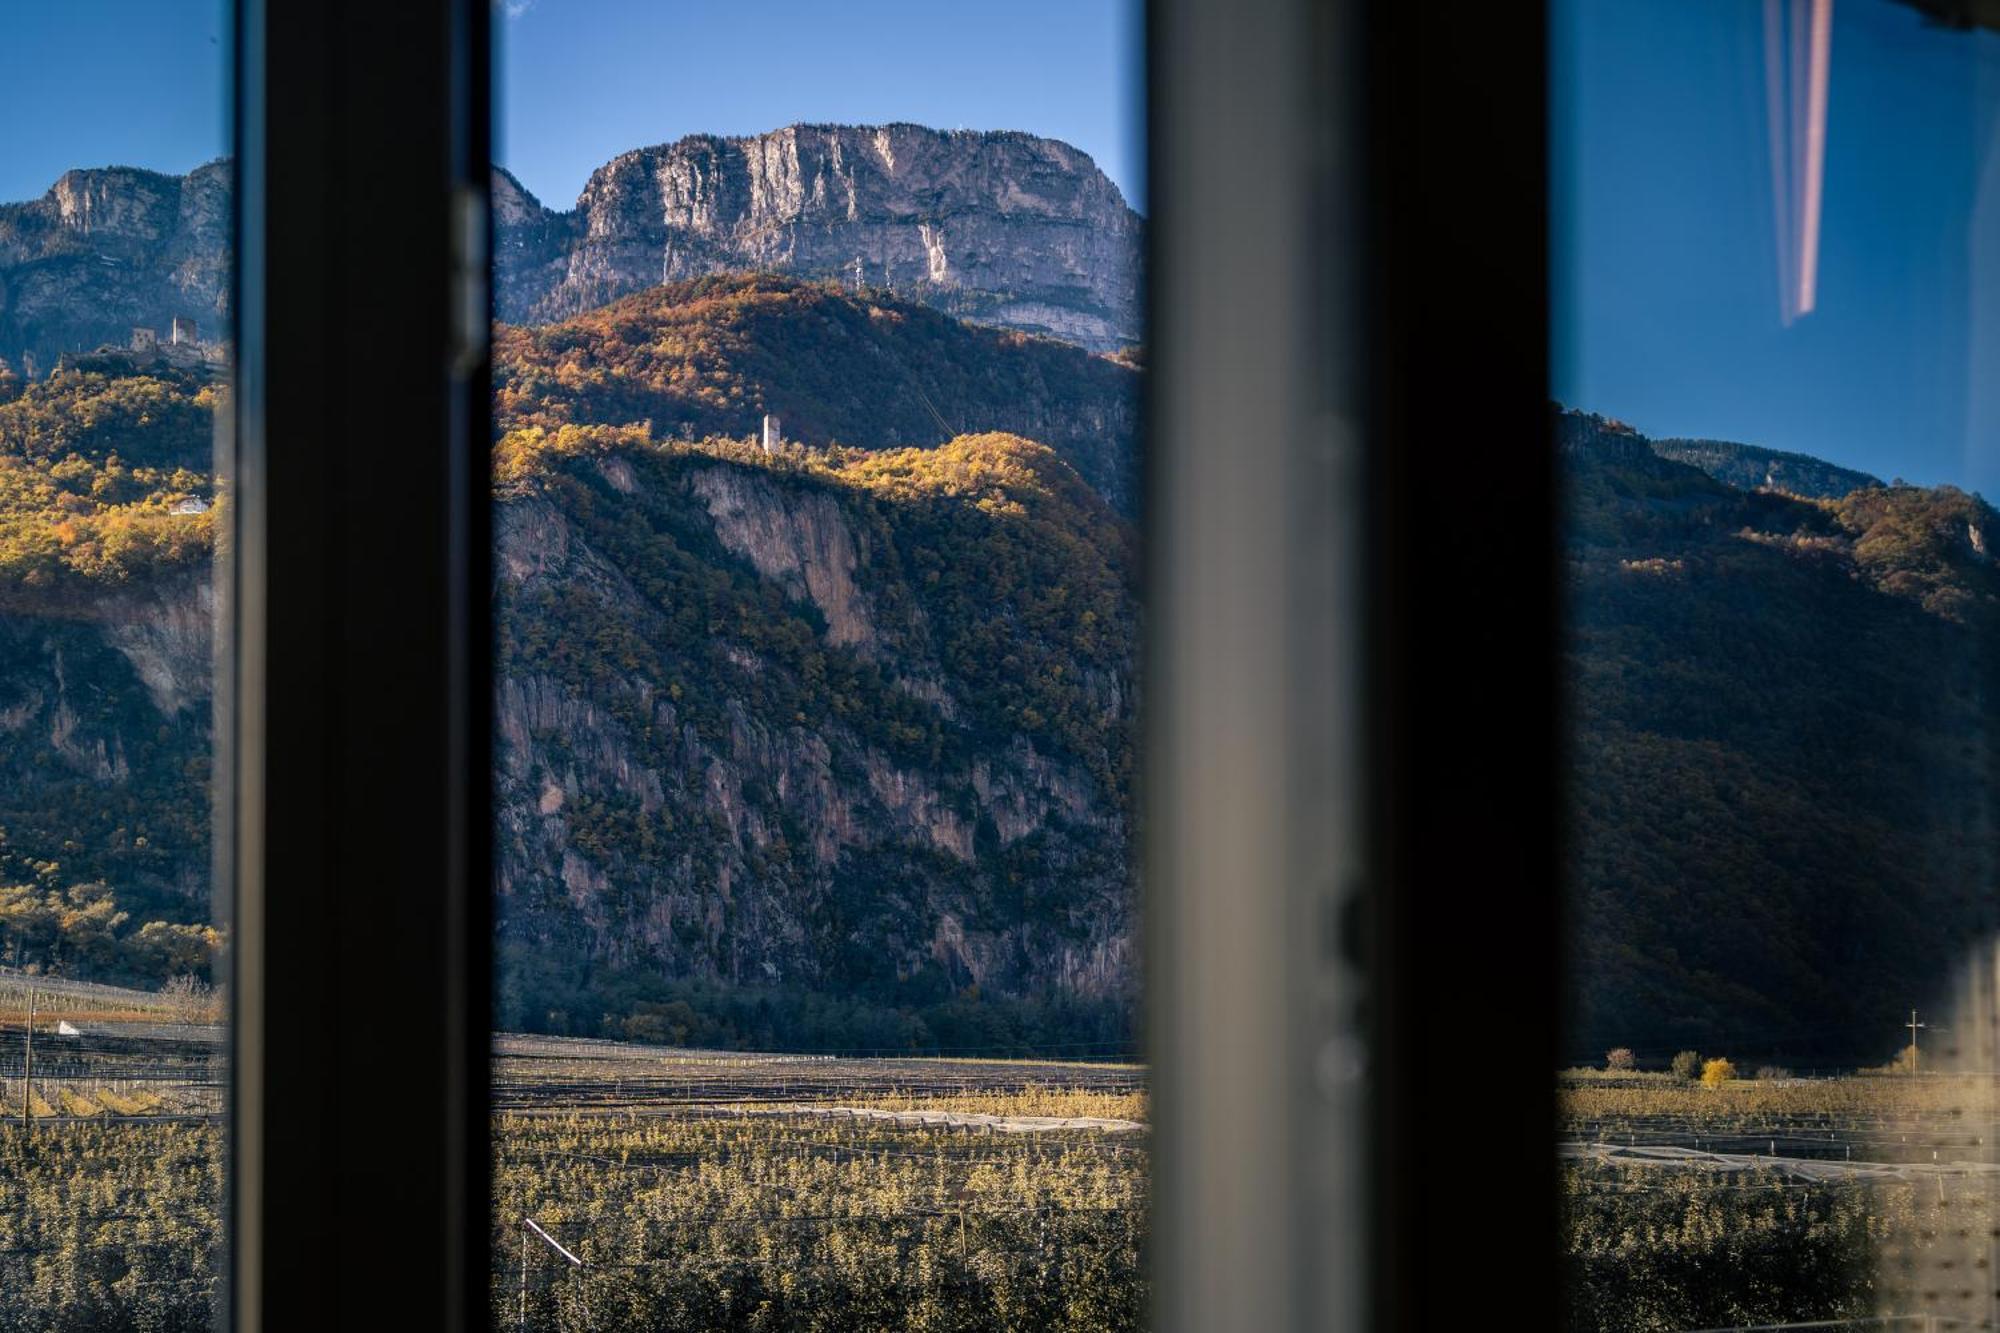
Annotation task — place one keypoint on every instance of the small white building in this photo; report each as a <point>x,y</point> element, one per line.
<point>193,504</point>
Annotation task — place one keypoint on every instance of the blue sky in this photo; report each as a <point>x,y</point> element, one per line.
<point>1666,295</point>
<point>141,82</point>
<point>583,80</point>
<point>93,83</point>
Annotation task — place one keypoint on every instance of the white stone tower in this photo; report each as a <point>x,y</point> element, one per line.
<point>771,433</point>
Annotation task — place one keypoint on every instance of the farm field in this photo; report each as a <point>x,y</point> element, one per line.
<point>706,1190</point>
<point>668,1189</point>
<point>1856,1198</point>
<point>659,1188</point>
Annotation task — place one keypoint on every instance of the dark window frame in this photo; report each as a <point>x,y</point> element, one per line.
<point>1349,352</point>
<point>1466,873</point>
<point>359,669</point>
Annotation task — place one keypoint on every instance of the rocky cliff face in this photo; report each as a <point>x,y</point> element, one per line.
<point>1748,467</point>
<point>1001,228</point>
<point>826,725</point>
<point>107,250</point>
<point>104,742</point>
<point>777,764</point>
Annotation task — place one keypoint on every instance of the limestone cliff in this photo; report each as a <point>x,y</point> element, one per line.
<point>779,756</point>
<point>845,722</point>
<point>104,743</point>
<point>1001,227</point>
<point>108,250</point>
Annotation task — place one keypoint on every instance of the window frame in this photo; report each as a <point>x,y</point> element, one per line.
<point>1465,928</point>
<point>1353,859</point>
<point>355,713</point>
<point>1253,826</point>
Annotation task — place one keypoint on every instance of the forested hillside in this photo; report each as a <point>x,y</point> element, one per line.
<point>1782,742</point>
<point>106,532</point>
<point>826,747</point>
<point>711,356</point>
<point>833,746</point>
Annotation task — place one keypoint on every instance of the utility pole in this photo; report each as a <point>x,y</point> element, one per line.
<point>28,1067</point>
<point>1913,1025</point>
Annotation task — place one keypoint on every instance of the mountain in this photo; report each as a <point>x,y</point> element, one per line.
<point>853,717</point>
<point>108,250</point>
<point>1781,741</point>
<point>107,520</point>
<point>1002,228</point>
<point>831,746</point>
<point>1748,467</point>
<point>858,724</point>
<point>827,746</point>
<point>711,356</point>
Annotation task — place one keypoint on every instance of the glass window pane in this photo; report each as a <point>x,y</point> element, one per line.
<point>114,400</point>
<point>1776,303</point>
<point>816,386</point>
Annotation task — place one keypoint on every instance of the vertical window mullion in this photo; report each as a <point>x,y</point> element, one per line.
<point>360,602</point>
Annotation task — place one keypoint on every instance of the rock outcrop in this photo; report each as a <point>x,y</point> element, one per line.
<point>1001,228</point>
<point>108,250</point>
<point>104,741</point>
<point>822,788</point>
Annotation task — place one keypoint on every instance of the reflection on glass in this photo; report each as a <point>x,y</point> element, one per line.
<point>1783,609</point>
<point>114,386</point>
<point>816,480</point>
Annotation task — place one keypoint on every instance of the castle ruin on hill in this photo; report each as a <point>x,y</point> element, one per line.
<point>183,346</point>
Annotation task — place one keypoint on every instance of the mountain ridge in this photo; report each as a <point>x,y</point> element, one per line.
<point>1780,736</point>
<point>1750,467</point>
<point>711,355</point>
<point>107,249</point>
<point>999,226</point>
<point>1002,227</point>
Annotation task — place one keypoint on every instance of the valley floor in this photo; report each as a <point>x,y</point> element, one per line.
<point>635,1187</point>
<point>651,1187</point>
<point>1873,1199</point>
